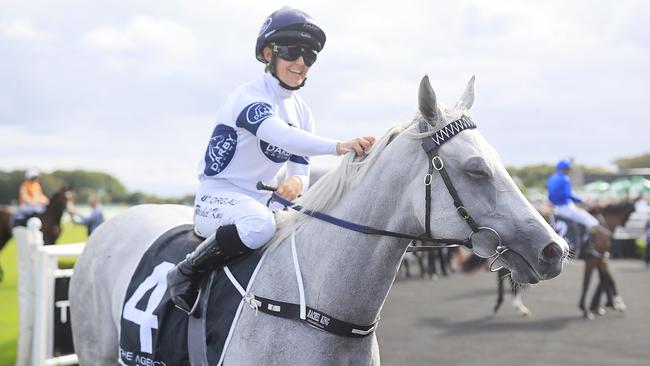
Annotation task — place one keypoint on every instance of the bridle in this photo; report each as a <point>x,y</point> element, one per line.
<point>431,145</point>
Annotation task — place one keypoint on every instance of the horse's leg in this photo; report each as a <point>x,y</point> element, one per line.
<point>444,258</point>
<point>517,300</point>
<point>500,291</point>
<point>432,264</point>
<point>407,267</point>
<point>614,300</point>
<point>589,266</point>
<point>420,258</point>
<point>595,299</point>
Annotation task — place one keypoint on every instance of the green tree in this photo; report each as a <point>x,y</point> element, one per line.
<point>641,161</point>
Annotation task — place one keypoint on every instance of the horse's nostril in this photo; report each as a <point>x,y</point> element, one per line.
<point>552,251</point>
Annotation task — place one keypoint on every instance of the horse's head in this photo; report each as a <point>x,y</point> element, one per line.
<point>62,200</point>
<point>493,212</point>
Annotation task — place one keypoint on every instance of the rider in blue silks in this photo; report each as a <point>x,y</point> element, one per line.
<point>564,200</point>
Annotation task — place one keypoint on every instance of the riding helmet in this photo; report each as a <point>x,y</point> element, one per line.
<point>31,173</point>
<point>563,164</point>
<point>291,26</point>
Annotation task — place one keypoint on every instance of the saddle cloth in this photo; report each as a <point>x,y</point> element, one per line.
<point>153,331</point>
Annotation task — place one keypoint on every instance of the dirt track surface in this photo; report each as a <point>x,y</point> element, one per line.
<point>450,322</point>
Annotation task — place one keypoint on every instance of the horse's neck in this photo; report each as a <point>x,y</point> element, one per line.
<point>54,210</point>
<point>349,274</point>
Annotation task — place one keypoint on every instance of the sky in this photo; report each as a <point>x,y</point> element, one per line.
<point>131,88</point>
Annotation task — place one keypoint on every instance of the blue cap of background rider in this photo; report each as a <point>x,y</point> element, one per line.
<point>563,164</point>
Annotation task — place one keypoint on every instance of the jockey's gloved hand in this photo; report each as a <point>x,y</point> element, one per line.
<point>290,188</point>
<point>359,145</point>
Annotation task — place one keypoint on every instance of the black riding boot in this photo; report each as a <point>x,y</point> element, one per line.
<point>184,279</point>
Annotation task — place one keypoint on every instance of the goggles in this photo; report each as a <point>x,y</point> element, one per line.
<point>293,52</point>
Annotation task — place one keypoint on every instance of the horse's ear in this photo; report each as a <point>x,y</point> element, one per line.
<point>467,99</point>
<point>427,102</point>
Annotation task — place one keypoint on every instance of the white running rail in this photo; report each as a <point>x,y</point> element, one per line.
<point>37,270</point>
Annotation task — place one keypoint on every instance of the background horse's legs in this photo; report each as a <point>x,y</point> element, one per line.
<point>420,258</point>
<point>518,302</point>
<point>406,264</point>
<point>501,274</point>
<point>590,263</point>
<point>614,300</point>
<point>432,270</point>
<point>603,286</point>
<point>443,254</point>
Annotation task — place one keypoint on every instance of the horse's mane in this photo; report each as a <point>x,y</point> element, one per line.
<point>327,191</point>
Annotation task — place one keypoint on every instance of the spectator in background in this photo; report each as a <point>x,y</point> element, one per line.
<point>94,219</point>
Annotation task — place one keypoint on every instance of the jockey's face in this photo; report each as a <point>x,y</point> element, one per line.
<point>292,73</point>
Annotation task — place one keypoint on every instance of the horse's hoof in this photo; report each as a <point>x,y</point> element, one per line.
<point>618,304</point>
<point>599,311</point>
<point>525,312</point>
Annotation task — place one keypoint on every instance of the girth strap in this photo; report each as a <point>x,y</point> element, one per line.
<point>313,317</point>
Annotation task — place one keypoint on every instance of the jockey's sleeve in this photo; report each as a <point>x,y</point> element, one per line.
<point>296,141</point>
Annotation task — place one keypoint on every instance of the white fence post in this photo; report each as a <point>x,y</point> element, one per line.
<point>37,267</point>
<point>25,295</point>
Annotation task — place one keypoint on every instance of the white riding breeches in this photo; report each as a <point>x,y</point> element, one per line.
<point>575,213</point>
<point>221,203</point>
<point>28,209</point>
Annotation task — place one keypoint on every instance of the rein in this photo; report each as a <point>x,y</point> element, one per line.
<point>368,230</point>
<point>431,145</point>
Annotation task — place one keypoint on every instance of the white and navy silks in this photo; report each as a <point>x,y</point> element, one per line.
<point>260,128</point>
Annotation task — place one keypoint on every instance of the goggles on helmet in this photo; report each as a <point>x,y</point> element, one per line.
<point>293,52</point>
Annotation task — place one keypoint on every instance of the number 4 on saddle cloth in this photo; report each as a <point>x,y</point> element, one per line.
<point>153,331</point>
<point>576,235</point>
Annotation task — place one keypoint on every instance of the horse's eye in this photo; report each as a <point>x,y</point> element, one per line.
<point>478,174</point>
<point>477,168</point>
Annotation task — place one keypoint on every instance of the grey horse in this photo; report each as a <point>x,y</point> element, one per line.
<point>346,274</point>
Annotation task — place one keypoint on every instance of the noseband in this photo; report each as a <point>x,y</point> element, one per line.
<point>431,145</point>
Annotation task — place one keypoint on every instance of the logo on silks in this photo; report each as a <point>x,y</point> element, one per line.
<point>258,112</point>
<point>274,153</point>
<point>221,149</point>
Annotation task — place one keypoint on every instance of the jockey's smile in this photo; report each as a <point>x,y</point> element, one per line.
<point>291,72</point>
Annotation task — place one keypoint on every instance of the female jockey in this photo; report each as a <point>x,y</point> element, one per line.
<point>262,126</point>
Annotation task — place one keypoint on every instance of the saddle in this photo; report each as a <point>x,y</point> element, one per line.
<point>580,242</point>
<point>20,218</point>
<point>154,330</point>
